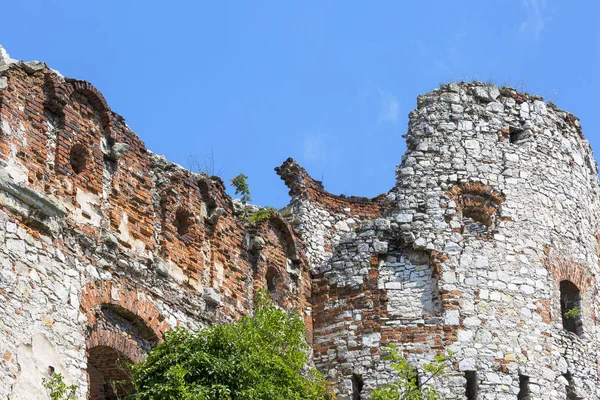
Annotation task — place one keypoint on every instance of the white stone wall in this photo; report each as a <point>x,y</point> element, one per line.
<point>411,286</point>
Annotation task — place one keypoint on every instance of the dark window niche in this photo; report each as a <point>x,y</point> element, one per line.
<point>476,220</point>
<point>524,393</point>
<point>516,135</point>
<point>357,387</point>
<point>78,158</point>
<point>272,279</point>
<point>183,222</point>
<point>570,307</point>
<point>471,385</point>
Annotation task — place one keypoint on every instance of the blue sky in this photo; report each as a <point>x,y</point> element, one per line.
<point>329,83</point>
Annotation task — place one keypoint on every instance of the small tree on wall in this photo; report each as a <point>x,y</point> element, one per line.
<point>240,184</point>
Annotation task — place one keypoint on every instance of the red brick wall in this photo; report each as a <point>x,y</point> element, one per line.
<point>124,217</point>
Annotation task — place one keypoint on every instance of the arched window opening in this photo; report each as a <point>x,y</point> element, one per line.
<point>78,158</point>
<point>479,213</point>
<point>357,387</point>
<point>109,374</point>
<point>183,222</point>
<point>127,321</point>
<point>570,307</point>
<point>478,206</point>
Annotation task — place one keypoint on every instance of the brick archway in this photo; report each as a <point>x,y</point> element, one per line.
<point>100,292</point>
<point>124,345</point>
<point>108,355</point>
<point>123,327</point>
<point>568,270</point>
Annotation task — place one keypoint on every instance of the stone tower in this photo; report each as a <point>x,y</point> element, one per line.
<point>488,238</point>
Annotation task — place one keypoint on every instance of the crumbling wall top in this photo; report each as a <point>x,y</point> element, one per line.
<point>302,185</point>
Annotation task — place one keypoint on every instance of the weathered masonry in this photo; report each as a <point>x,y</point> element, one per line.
<point>488,245</point>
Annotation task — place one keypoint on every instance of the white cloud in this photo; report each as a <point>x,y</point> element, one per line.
<point>536,17</point>
<point>390,108</point>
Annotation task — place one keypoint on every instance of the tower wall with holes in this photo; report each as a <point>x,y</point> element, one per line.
<point>487,246</point>
<point>105,246</point>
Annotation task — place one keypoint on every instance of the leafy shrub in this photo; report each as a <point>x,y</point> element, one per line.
<point>257,358</point>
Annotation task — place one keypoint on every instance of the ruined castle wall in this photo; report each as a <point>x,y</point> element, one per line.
<point>495,206</point>
<point>105,246</point>
<point>323,219</point>
<point>489,235</point>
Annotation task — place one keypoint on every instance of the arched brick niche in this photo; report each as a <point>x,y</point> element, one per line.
<point>107,293</point>
<point>477,206</point>
<point>118,338</point>
<point>95,98</point>
<point>108,357</point>
<point>183,239</point>
<point>278,267</point>
<point>123,327</point>
<point>573,286</point>
<point>208,196</point>
<point>286,230</point>
<point>108,374</point>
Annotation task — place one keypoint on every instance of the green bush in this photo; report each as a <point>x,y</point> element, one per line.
<point>257,358</point>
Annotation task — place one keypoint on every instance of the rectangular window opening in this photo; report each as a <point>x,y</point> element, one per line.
<point>523,388</point>
<point>471,386</point>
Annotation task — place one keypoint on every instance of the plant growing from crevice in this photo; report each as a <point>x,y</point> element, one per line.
<point>262,214</point>
<point>240,184</point>
<point>573,313</point>
<point>407,385</point>
<point>58,389</point>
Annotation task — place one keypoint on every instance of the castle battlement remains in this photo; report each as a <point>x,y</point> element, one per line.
<point>488,245</point>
